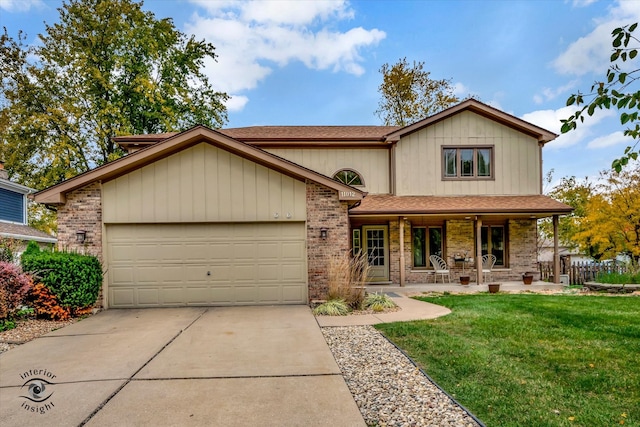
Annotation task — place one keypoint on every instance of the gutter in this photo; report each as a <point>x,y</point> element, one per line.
<point>34,238</point>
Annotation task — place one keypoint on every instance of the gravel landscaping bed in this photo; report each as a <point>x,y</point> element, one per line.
<point>26,330</point>
<point>387,387</point>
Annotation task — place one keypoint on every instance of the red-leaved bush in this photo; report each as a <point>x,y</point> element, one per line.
<point>46,304</point>
<point>14,287</point>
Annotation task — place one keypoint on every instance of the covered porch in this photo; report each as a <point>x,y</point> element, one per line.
<point>402,234</point>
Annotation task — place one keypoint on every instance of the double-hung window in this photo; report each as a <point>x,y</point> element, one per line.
<point>467,162</point>
<point>427,241</point>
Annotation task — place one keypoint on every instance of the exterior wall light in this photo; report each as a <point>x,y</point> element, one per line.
<point>323,233</point>
<point>81,236</point>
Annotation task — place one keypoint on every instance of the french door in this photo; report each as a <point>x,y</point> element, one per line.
<point>376,245</point>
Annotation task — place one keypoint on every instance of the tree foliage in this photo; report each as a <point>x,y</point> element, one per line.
<point>576,194</point>
<point>619,90</point>
<point>408,94</point>
<point>107,68</point>
<point>606,217</point>
<point>611,223</point>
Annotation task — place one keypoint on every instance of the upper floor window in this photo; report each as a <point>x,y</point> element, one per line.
<point>467,162</point>
<point>349,177</point>
<point>12,206</point>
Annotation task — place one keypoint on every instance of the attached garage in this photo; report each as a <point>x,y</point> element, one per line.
<point>202,219</point>
<point>206,264</point>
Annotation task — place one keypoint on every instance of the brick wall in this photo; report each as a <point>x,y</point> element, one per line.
<point>523,236</point>
<point>82,211</point>
<point>459,235</point>
<point>324,210</point>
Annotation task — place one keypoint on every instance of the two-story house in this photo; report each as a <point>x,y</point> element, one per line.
<point>14,226</point>
<point>251,215</point>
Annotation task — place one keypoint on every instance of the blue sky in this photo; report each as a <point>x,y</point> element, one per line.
<point>317,62</point>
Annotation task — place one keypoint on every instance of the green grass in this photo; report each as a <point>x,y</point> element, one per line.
<point>619,278</point>
<point>533,360</point>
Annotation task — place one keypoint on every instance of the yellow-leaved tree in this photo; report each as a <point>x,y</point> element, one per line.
<point>611,225</point>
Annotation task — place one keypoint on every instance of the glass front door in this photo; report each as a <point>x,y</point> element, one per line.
<point>376,246</point>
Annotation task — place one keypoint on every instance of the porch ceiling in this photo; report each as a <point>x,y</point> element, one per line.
<point>538,206</point>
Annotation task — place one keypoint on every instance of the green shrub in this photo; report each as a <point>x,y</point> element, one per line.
<point>74,279</point>
<point>31,249</point>
<point>378,302</point>
<point>14,286</point>
<point>7,324</point>
<point>334,307</point>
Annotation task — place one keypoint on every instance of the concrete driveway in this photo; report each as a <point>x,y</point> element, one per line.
<point>214,366</point>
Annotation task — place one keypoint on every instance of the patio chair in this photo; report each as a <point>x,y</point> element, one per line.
<point>440,267</point>
<point>488,262</point>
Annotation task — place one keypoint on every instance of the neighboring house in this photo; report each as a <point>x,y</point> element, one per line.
<point>251,215</point>
<point>13,215</point>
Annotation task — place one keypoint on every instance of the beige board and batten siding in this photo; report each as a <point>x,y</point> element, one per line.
<point>371,163</point>
<point>203,184</point>
<point>205,227</point>
<point>516,158</point>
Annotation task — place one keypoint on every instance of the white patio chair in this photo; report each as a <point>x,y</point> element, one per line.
<point>440,267</point>
<point>488,262</point>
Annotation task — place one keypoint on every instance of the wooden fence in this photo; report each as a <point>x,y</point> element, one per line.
<point>581,271</point>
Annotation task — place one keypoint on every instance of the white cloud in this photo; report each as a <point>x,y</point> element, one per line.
<point>615,138</point>
<point>236,102</point>
<point>583,3</point>
<point>550,120</point>
<point>549,94</point>
<point>254,37</point>
<point>20,5</point>
<point>592,52</point>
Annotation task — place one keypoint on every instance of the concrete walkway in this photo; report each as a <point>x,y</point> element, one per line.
<point>411,309</point>
<point>236,366</point>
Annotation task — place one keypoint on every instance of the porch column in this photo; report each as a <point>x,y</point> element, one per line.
<point>478,255</point>
<point>556,251</point>
<point>401,229</point>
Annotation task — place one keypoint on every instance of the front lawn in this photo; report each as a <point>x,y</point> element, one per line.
<point>533,360</point>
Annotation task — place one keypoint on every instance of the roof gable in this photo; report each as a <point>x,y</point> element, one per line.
<point>542,135</point>
<point>173,144</point>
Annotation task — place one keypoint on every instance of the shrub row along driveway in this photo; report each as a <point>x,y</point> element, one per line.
<point>186,366</point>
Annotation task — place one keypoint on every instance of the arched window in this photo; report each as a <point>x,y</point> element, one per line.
<point>349,177</point>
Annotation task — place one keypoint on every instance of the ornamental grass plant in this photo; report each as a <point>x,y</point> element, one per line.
<point>347,277</point>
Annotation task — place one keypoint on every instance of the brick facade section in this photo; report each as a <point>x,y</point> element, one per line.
<point>523,237</point>
<point>459,238</point>
<point>82,211</point>
<point>324,209</point>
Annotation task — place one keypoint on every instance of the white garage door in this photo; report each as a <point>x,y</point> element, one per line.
<point>156,265</point>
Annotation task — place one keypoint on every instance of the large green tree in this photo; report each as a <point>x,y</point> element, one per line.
<point>409,94</point>
<point>107,68</point>
<point>619,90</point>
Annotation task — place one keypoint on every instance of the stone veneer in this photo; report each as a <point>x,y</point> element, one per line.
<point>324,209</point>
<point>459,235</point>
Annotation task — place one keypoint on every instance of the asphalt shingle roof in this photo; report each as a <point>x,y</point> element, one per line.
<point>388,204</point>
